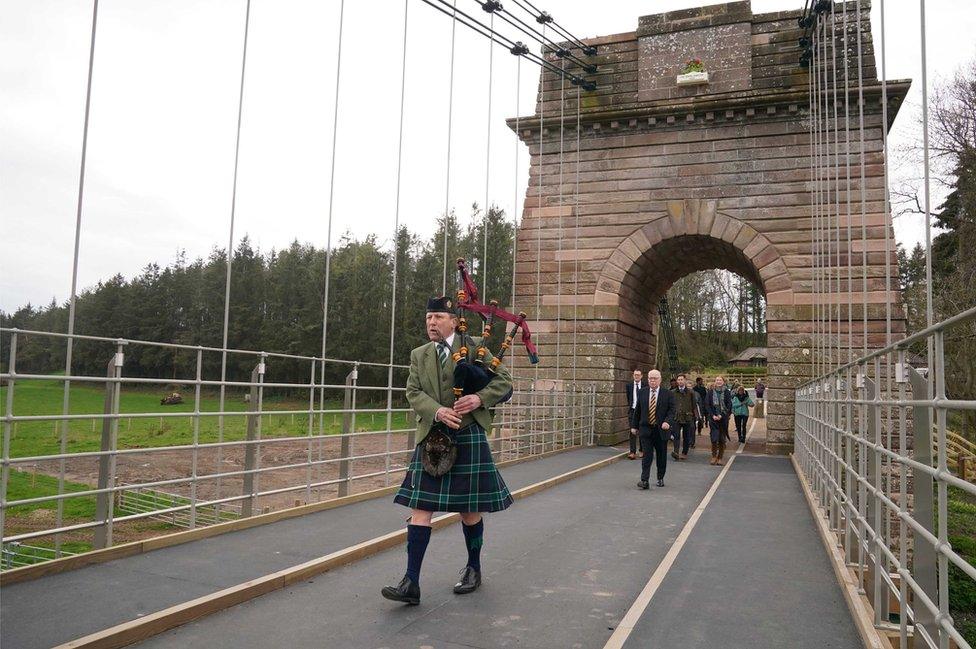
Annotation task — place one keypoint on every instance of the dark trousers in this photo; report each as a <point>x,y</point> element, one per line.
<point>634,439</point>
<point>740,426</point>
<point>656,439</point>
<point>683,435</point>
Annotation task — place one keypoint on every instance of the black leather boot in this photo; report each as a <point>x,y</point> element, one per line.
<point>407,592</point>
<point>469,582</point>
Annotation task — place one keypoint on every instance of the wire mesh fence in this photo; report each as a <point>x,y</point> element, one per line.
<point>92,459</point>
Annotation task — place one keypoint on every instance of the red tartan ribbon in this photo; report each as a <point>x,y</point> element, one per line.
<point>472,304</point>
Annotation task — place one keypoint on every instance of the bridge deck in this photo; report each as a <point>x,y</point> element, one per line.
<point>562,569</point>
<point>753,573</point>
<point>62,607</point>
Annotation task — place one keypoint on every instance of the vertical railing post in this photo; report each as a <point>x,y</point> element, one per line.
<point>345,447</point>
<point>106,461</point>
<point>925,570</point>
<point>196,440</point>
<point>311,410</point>
<point>389,425</point>
<point>250,449</point>
<point>880,513</point>
<point>7,428</point>
<point>553,416</point>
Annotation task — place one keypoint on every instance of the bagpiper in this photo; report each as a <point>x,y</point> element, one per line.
<point>472,485</point>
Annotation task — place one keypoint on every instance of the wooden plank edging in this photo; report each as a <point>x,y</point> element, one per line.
<point>147,626</point>
<point>133,548</point>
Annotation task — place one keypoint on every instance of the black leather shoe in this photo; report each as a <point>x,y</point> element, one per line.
<point>407,592</point>
<point>660,483</point>
<point>674,455</point>
<point>643,485</point>
<point>469,582</point>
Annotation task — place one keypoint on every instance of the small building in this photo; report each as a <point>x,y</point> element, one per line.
<point>749,357</point>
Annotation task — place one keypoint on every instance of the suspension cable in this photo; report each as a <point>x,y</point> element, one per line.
<point>847,193</point>
<point>576,237</point>
<point>328,235</point>
<point>484,257</point>
<point>559,223</point>
<point>480,28</point>
<point>515,222</point>
<point>887,197</point>
<point>538,207</point>
<point>66,398</point>
<point>230,244</point>
<point>835,353</point>
<point>396,209</point>
<point>536,35</point>
<point>450,117</point>
<point>864,227</point>
<point>543,18</point>
<point>813,217</point>
<point>396,226</point>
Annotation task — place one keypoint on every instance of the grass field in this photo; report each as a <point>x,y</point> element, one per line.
<point>35,397</point>
<point>962,536</point>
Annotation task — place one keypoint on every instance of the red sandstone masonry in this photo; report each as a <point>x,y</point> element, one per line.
<point>674,180</point>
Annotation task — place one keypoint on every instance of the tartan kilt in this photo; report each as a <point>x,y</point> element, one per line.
<point>472,485</point>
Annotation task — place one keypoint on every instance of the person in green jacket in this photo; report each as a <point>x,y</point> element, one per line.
<point>740,410</point>
<point>473,485</point>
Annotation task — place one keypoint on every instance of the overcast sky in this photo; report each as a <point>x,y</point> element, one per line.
<point>164,112</point>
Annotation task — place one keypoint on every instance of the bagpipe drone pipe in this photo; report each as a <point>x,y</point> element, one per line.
<point>471,377</point>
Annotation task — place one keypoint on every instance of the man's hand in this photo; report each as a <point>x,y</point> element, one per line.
<point>633,431</point>
<point>466,404</point>
<point>716,417</point>
<point>450,418</point>
<point>665,426</point>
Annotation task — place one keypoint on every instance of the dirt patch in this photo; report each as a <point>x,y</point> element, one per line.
<point>297,472</point>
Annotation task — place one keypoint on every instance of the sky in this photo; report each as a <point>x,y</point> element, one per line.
<point>164,103</point>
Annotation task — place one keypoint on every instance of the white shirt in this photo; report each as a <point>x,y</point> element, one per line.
<point>450,341</point>
<point>636,388</point>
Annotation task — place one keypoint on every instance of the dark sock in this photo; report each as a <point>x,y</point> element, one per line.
<point>474,537</point>
<point>417,538</point>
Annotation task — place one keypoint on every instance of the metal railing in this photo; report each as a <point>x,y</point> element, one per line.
<point>216,463</point>
<point>872,441</point>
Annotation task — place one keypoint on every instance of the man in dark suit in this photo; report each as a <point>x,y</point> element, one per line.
<point>631,388</point>
<point>653,418</point>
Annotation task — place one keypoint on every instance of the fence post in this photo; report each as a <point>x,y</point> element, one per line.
<point>250,450</point>
<point>923,483</point>
<point>106,461</point>
<point>7,429</point>
<point>344,448</point>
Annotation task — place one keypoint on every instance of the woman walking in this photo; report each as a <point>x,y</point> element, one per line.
<point>740,410</point>
<point>718,407</point>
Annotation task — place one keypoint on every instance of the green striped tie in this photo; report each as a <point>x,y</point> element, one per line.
<point>442,353</point>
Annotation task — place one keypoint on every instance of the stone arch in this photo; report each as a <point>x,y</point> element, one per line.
<point>735,245</point>
<point>693,235</point>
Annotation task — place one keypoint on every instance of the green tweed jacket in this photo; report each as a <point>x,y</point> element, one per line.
<point>429,387</point>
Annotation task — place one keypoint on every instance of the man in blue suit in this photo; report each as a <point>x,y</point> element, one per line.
<point>652,420</point>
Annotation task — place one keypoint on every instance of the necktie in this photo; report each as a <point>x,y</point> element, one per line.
<point>652,408</point>
<point>442,353</point>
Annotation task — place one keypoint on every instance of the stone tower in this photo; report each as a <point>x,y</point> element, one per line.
<point>677,178</point>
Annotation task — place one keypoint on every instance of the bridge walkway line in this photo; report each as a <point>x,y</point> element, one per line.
<point>752,573</point>
<point>61,607</point>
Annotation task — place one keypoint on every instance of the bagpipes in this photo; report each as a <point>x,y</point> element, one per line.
<point>439,450</point>
<point>472,377</point>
